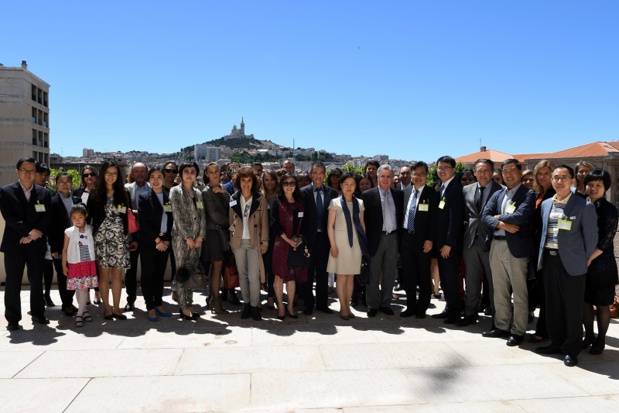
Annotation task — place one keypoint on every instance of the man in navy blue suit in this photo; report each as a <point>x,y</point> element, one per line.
<point>316,199</point>
<point>448,247</point>
<point>508,216</point>
<point>26,209</point>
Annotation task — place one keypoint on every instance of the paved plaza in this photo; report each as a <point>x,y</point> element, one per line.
<point>318,363</point>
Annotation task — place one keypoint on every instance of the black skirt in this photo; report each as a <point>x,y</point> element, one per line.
<point>600,288</point>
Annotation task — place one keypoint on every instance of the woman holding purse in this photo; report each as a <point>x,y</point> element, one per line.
<point>286,222</point>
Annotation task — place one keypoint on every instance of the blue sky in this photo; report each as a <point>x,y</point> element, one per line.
<point>410,79</point>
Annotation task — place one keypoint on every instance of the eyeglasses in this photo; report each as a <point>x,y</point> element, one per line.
<point>528,180</point>
<point>444,168</point>
<point>171,171</point>
<point>189,171</point>
<point>562,178</point>
<point>28,171</point>
<point>289,183</point>
<point>111,174</point>
<point>88,175</point>
<point>62,183</point>
<point>468,179</point>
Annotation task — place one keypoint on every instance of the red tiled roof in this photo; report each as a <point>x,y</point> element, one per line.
<point>494,156</point>
<point>589,150</point>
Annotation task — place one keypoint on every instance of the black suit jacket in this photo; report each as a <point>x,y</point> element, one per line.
<point>450,219</point>
<point>21,217</point>
<point>149,217</point>
<point>373,215</point>
<point>425,221</point>
<point>310,220</point>
<point>59,222</point>
<point>521,243</point>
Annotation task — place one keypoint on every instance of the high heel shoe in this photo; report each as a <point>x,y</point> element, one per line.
<point>281,317</point>
<point>119,316</point>
<point>292,315</point>
<point>587,341</point>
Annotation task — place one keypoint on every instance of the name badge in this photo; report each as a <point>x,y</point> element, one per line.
<point>510,208</point>
<point>300,214</point>
<point>556,215</point>
<point>424,207</point>
<point>232,203</point>
<point>564,224</point>
<point>199,205</point>
<point>167,208</point>
<point>121,209</point>
<point>441,205</point>
<point>39,207</point>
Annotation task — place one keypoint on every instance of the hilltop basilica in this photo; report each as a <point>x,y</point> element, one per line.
<point>238,133</point>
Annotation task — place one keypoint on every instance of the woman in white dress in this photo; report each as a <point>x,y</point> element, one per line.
<point>346,231</point>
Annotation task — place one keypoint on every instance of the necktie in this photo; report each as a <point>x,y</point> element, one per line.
<point>442,189</point>
<point>387,212</point>
<point>410,225</point>
<point>320,208</point>
<point>481,197</point>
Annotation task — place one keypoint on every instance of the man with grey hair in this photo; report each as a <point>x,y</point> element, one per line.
<point>383,218</point>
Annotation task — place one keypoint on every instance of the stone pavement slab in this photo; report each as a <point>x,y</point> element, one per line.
<point>315,364</point>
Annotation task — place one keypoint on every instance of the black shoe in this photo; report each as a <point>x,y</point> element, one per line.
<point>292,314</point>
<point>451,320</point>
<point>495,333</point>
<point>372,312</point>
<point>549,349</point>
<point>246,311</point>
<point>232,298</point>
<point>308,311</point>
<point>13,327</point>
<point>444,314</point>
<point>48,301</point>
<point>386,310</point>
<point>129,307</point>
<point>108,317</point>
<point>255,313</point>
<point>409,312</point>
<point>325,310</point>
<point>69,311</point>
<point>40,320</point>
<point>398,287</point>
<point>119,316</point>
<point>515,340</point>
<point>597,349</point>
<point>570,361</point>
<point>467,321</point>
<point>420,314</point>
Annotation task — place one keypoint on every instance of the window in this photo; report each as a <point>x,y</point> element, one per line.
<point>40,138</point>
<point>39,96</point>
<point>46,120</point>
<point>46,140</point>
<point>45,99</point>
<point>40,117</point>
<point>34,115</point>
<point>34,93</point>
<point>34,137</point>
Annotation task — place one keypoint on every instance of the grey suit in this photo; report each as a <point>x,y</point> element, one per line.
<point>477,250</point>
<point>565,272</point>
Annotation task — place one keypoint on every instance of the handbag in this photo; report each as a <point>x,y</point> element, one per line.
<point>363,278</point>
<point>132,221</point>
<point>299,256</point>
<point>230,273</point>
<point>614,308</point>
<point>186,278</point>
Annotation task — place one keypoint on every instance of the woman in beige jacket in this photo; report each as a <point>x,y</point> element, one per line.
<point>249,230</point>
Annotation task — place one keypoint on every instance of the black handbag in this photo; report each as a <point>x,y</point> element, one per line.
<point>363,278</point>
<point>299,256</point>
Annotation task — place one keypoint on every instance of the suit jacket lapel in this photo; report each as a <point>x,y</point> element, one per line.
<point>237,207</point>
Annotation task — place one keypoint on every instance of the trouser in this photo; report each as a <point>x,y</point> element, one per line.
<point>66,296</point>
<point>248,264</point>
<point>477,262</point>
<point>318,266</point>
<point>415,272</point>
<point>383,264</point>
<point>564,305</point>
<point>48,276</point>
<point>153,264</point>
<point>14,264</point>
<point>509,276</point>
<point>131,284</point>
<point>450,282</point>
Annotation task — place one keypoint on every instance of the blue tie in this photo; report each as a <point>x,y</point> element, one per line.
<point>320,208</point>
<point>442,189</point>
<point>410,225</point>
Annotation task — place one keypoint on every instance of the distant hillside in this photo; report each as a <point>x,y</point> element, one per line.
<point>236,143</point>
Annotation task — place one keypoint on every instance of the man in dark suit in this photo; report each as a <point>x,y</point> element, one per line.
<point>316,199</point>
<point>476,247</point>
<point>449,221</point>
<point>26,209</point>
<point>420,203</point>
<point>136,188</point>
<point>508,215</point>
<point>569,238</point>
<point>383,218</point>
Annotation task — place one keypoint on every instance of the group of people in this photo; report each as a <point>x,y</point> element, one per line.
<point>541,238</point>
